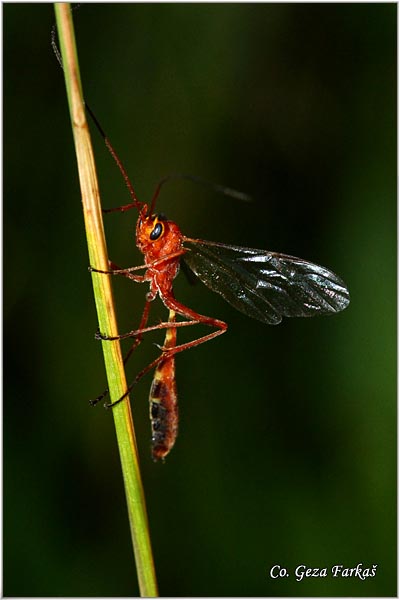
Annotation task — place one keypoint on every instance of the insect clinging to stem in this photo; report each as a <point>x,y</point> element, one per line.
<point>264,285</point>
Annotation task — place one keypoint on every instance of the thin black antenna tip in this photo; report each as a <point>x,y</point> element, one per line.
<point>220,189</point>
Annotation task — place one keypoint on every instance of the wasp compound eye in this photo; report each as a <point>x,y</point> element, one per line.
<point>157,231</point>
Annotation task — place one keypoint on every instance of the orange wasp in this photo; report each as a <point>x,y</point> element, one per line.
<point>263,285</point>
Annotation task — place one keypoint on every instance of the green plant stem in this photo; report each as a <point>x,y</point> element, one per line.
<point>105,306</point>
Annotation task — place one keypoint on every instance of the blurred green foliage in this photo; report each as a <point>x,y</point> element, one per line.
<point>287,446</point>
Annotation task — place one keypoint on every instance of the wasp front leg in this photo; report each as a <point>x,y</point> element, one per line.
<point>116,270</point>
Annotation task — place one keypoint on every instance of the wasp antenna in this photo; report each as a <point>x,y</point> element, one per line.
<point>135,203</point>
<point>233,193</point>
<point>55,47</point>
<point>157,191</point>
<point>220,189</point>
<point>53,39</point>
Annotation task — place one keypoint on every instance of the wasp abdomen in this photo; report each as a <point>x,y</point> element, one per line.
<point>164,400</point>
<point>163,409</point>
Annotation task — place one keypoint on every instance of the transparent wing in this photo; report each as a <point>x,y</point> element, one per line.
<point>266,285</point>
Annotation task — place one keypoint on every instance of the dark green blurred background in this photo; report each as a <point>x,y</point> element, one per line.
<point>286,453</point>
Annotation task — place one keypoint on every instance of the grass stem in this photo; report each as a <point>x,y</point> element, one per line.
<point>105,306</point>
